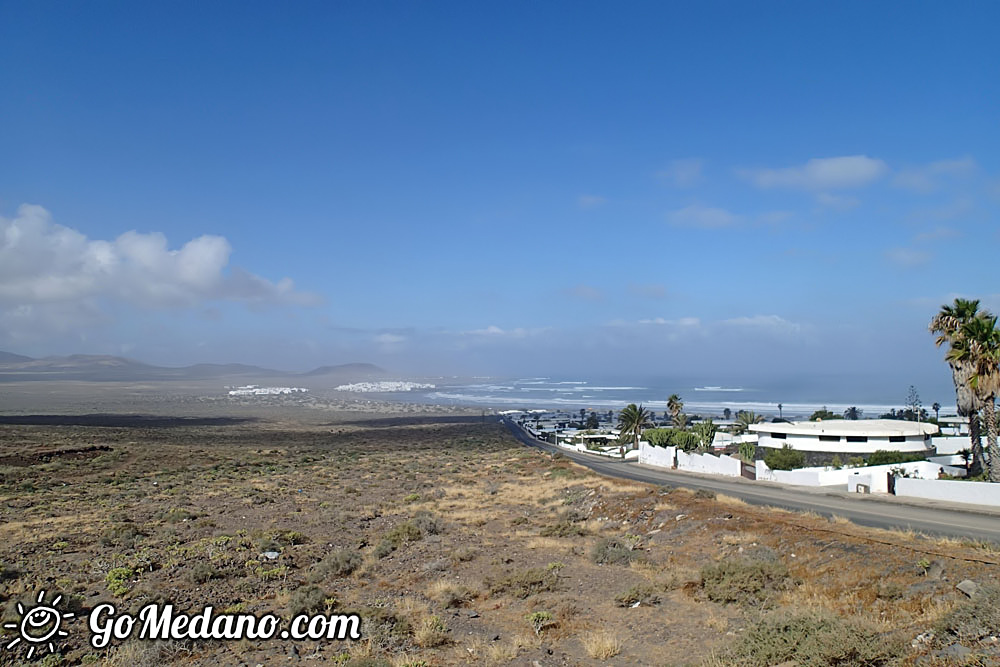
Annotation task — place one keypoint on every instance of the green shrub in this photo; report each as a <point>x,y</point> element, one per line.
<point>881,457</point>
<point>119,581</point>
<point>384,548</point>
<point>403,533</point>
<point>785,458</point>
<point>813,639</point>
<point>744,581</point>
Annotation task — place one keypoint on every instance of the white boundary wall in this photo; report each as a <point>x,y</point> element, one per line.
<point>665,457</point>
<point>875,477</point>
<point>979,493</point>
<point>709,463</point>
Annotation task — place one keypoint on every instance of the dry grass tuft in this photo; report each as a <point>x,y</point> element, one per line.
<point>601,644</point>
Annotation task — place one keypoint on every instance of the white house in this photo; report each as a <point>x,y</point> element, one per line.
<point>848,437</point>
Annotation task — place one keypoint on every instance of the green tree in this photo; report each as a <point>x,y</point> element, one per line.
<point>744,419</point>
<point>948,325</point>
<point>631,421</point>
<point>913,402</point>
<point>747,451</point>
<point>937,409</point>
<point>785,458</point>
<point>706,432</point>
<point>592,421</point>
<point>727,414</point>
<point>853,413</point>
<point>822,414</point>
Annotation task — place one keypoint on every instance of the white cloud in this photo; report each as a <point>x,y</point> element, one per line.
<point>938,234</point>
<point>704,217</point>
<point>650,291</point>
<point>959,208</point>
<point>682,173</point>
<point>835,173</point>
<point>494,331</point>
<point>389,339</point>
<point>907,257</point>
<point>767,323</point>
<point>590,201</point>
<point>689,322</point>
<point>838,202</point>
<point>584,292</point>
<point>928,178</point>
<point>55,276</point>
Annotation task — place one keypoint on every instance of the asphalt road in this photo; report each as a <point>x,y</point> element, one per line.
<point>863,510</point>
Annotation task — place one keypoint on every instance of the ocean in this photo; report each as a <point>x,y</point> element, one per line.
<point>797,400</point>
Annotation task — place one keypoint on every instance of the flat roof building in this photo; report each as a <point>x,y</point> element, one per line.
<point>850,437</point>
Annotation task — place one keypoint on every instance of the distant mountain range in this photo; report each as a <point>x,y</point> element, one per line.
<point>99,367</point>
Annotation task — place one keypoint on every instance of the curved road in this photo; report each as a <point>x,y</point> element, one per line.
<point>933,518</point>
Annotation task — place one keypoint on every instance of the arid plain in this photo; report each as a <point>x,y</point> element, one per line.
<point>455,543</point>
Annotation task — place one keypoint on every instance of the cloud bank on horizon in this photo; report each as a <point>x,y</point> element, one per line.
<point>450,191</point>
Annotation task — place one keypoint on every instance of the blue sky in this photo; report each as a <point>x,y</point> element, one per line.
<point>742,188</point>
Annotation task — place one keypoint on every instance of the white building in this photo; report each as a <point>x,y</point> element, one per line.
<point>848,437</point>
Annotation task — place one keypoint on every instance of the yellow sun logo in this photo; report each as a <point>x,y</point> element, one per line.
<point>40,625</point>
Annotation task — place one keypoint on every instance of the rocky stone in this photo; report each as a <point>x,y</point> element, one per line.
<point>271,555</point>
<point>936,570</point>
<point>953,651</point>
<point>968,587</point>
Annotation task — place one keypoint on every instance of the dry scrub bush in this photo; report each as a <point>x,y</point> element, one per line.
<point>641,593</point>
<point>432,632</point>
<point>340,563</point>
<point>308,600</point>
<point>142,653</point>
<point>448,593</point>
<point>972,620</point>
<point>613,551</point>
<point>744,581</point>
<point>601,645</point>
<point>813,639</point>
<point>525,583</point>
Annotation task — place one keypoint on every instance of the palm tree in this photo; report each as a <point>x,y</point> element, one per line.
<point>936,408</point>
<point>744,418</point>
<point>674,406</point>
<point>981,347</point>
<point>948,324</point>
<point>632,420</point>
<point>780,406</point>
<point>853,413</point>
<point>727,413</point>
